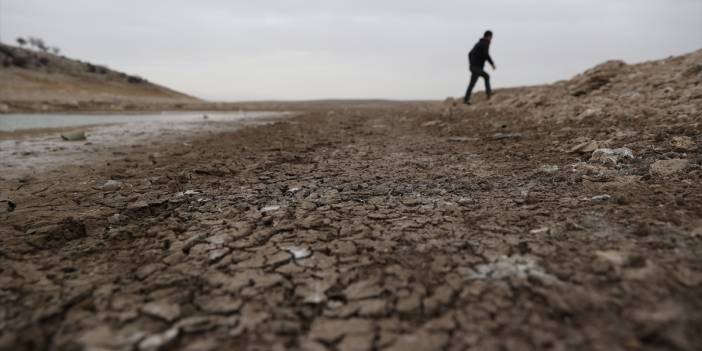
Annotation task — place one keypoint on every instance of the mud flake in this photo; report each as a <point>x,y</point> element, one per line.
<point>616,258</point>
<point>263,281</point>
<point>331,330</point>
<point>290,269</point>
<point>361,342</point>
<point>363,289</point>
<point>198,324</point>
<point>307,205</point>
<point>441,297</point>
<point>445,323</point>
<point>223,304</point>
<point>104,337</point>
<point>257,261</point>
<point>345,248</point>
<point>278,258</point>
<point>313,291</point>
<point>422,340</point>
<point>217,254</point>
<point>220,239</point>
<point>251,318</point>
<point>311,345</point>
<point>160,340</point>
<point>164,310</point>
<point>409,304</point>
<point>145,271</point>
<point>371,307</point>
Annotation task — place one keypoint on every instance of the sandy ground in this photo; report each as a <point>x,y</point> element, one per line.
<point>563,217</point>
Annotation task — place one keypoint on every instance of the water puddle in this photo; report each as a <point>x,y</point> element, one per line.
<point>31,143</point>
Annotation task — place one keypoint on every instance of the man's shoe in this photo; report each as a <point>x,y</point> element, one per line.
<point>467,102</point>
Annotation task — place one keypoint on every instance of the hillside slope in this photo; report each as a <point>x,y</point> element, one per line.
<point>660,89</point>
<point>30,78</point>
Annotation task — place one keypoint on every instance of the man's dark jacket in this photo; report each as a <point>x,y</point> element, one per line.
<point>480,54</point>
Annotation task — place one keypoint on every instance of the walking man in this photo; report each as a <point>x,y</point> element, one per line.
<point>477,58</point>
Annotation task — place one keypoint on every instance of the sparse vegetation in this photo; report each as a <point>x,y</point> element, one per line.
<point>38,44</point>
<point>135,80</point>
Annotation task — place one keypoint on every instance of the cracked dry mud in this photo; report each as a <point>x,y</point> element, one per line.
<point>403,227</point>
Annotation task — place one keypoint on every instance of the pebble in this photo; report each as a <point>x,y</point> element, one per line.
<point>299,253</point>
<point>159,341</point>
<point>270,208</point>
<point>613,156</point>
<point>601,198</point>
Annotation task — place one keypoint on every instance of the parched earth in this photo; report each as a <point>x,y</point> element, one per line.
<point>413,226</point>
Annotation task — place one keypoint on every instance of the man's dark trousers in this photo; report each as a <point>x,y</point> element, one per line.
<point>475,73</point>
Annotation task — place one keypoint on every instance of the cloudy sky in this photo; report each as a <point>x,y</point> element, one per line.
<point>314,49</point>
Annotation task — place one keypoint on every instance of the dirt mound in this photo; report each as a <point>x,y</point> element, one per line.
<point>34,78</point>
<point>670,87</point>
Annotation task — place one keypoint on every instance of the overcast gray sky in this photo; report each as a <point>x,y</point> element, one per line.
<point>312,49</point>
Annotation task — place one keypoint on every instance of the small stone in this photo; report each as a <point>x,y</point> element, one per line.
<point>159,341</point>
<point>270,208</point>
<point>73,136</point>
<point>669,167</point>
<point>601,198</point>
<point>299,252</point>
<point>540,231</point>
<point>611,156</point>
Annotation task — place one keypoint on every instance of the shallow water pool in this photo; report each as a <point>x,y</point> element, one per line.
<point>15,122</point>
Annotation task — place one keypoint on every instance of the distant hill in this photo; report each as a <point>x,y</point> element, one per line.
<point>28,78</point>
